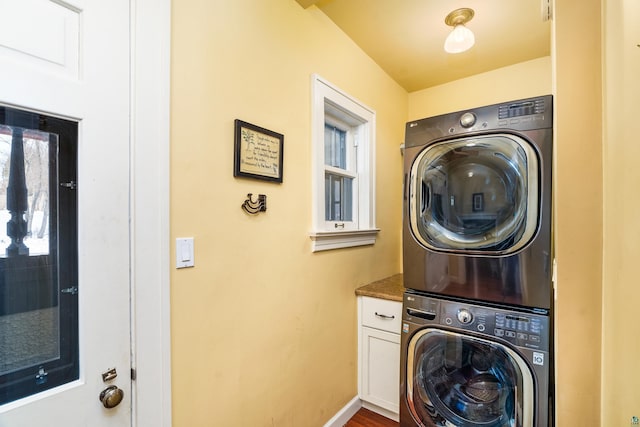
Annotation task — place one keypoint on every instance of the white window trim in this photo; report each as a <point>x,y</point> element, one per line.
<point>365,233</point>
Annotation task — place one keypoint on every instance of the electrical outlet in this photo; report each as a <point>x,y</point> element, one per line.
<point>635,421</point>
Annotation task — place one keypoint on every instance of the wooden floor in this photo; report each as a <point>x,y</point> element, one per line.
<point>367,418</point>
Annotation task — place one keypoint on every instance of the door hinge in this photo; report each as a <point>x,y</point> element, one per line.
<point>133,374</point>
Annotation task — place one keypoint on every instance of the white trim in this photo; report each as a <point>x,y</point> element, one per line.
<point>327,240</point>
<point>10,406</point>
<point>381,411</point>
<point>150,84</point>
<point>324,237</point>
<point>345,414</point>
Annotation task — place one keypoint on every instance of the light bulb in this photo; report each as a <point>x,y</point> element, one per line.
<point>460,39</point>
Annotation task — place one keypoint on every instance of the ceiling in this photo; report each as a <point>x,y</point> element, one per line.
<point>406,37</point>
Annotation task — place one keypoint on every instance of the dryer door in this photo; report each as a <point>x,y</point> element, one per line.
<point>477,194</point>
<point>460,380</point>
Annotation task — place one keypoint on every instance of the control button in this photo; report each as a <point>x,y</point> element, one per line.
<point>510,334</point>
<point>522,336</point>
<point>467,120</point>
<point>448,321</point>
<point>502,123</point>
<point>464,316</point>
<point>514,121</point>
<point>534,338</point>
<point>538,358</point>
<point>481,327</point>
<point>499,332</point>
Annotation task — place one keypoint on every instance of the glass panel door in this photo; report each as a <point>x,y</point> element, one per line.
<point>38,253</point>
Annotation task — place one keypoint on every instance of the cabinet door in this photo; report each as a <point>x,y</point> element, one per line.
<point>380,368</point>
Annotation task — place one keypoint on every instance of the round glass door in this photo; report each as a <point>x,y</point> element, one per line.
<point>463,381</point>
<point>475,194</point>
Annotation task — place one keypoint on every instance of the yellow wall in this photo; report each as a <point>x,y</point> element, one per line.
<point>578,211</point>
<point>263,330</point>
<point>523,80</point>
<point>621,293</point>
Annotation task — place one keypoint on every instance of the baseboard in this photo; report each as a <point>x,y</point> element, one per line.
<point>382,411</point>
<point>345,414</point>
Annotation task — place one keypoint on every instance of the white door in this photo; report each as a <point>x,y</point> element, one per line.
<point>70,59</point>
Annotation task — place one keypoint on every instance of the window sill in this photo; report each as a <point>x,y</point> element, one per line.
<point>327,240</point>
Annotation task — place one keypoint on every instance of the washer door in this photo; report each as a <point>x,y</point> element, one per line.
<point>476,194</point>
<point>464,381</point>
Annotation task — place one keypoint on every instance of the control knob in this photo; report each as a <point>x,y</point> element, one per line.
<point>464,316</point>
<point>467,120</point>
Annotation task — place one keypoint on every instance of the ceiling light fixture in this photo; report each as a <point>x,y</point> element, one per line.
<point>461,38</point>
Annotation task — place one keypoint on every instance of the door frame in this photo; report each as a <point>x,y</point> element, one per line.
<point>149,201</point>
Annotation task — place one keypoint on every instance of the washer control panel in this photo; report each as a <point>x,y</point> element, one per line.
<point>523,329</point>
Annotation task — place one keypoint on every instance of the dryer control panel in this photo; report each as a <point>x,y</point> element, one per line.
<point>521,115</point>
<point>522,329</point>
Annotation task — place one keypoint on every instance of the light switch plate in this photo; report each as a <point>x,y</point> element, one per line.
<point>184,252</point>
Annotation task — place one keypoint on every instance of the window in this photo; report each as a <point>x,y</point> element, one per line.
<point>343,169</point>
<point>38,253</point>
<point>339,173</point>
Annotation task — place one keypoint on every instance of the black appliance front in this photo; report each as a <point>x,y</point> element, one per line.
<point>465,365</point>
<point>477,198</point>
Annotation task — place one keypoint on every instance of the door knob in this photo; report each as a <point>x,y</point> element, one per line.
<point>111,396</point>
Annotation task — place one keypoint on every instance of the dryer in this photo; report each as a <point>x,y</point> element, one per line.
<point>470,365</point>
<point>477,204</point>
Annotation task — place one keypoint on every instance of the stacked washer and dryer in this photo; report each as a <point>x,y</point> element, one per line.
<point>477,311</point>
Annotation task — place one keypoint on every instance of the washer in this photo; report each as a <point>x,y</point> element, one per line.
<point>469,365</point>
<point>477,198</point>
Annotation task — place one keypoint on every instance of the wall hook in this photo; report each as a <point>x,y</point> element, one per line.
<point>252,207</point>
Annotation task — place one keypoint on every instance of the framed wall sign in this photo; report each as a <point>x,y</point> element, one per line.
<point>258,152</point>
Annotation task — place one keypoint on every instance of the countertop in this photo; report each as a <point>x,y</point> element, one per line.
<point>391,288</point>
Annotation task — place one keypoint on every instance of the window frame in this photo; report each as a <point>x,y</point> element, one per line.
<point>332,105</point>
<point>350,170</point>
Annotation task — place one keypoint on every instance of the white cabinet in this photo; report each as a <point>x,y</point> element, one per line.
<point>379,354</point>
